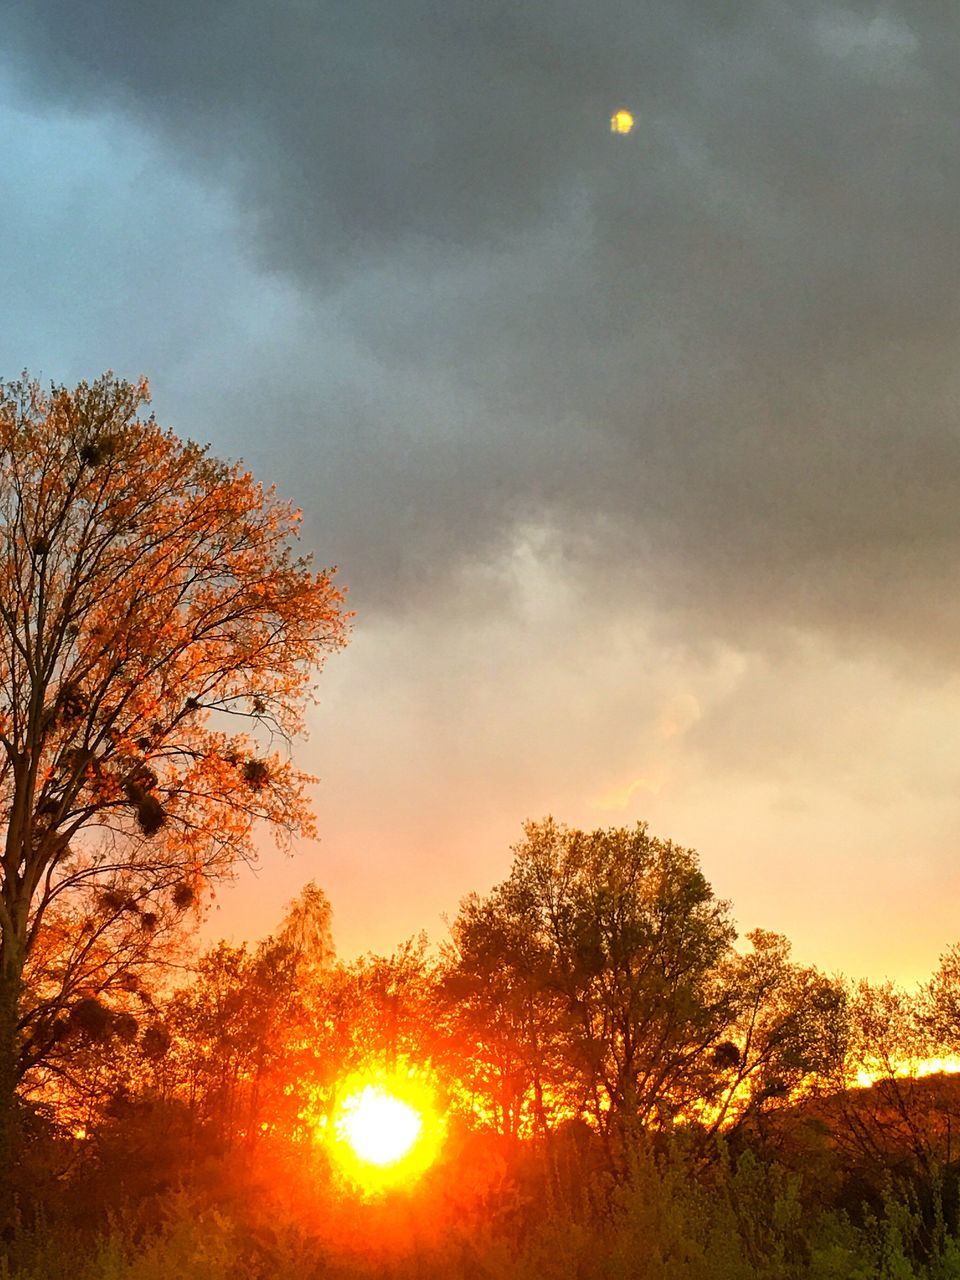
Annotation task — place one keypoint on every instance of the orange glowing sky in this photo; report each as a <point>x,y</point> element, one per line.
<point>638,453</point>
<point>843,840</point>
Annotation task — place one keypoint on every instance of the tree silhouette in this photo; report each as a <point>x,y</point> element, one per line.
<point>787,1035</point>
<point>590,978</point>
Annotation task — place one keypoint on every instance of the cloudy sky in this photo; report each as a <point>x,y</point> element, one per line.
<point>639,455</point>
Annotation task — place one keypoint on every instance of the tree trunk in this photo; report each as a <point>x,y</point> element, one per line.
<point>11,982</point>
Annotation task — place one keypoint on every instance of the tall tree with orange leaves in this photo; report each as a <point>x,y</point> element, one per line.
<point>159,640</point>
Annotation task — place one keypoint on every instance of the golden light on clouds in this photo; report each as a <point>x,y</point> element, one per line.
<point>648,784</point>
<point>675,716</point>
<point>678,714</point>
<point>621,121</point>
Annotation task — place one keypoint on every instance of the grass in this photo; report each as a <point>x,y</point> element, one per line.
<point>747,1220</point>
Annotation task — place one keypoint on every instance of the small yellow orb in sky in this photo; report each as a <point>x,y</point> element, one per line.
<point>621,121</point>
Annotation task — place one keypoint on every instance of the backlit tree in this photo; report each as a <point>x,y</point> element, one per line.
<point>588,979</point>
<point>158,642</point>
<point>786,1038</point>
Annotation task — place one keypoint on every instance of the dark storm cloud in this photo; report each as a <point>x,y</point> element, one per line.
<point>365,123</point>
<point>718,355</point>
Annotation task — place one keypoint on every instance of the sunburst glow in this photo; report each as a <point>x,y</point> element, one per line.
<point>386,1128</point>
<point>380,1128</point>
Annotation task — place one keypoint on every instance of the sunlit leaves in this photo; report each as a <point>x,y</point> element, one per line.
<point>159,640</point>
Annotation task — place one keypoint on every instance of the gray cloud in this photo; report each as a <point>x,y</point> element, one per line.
<point>718,356</point>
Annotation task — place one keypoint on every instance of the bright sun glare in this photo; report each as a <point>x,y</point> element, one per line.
<point>386,1129</point>
<point>380,1128</point>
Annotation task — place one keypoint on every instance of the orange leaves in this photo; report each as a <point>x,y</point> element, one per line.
<point>151,602</point>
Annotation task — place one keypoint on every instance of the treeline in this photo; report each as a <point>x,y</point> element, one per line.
<point>629,1091</point>
<point>599,990</point>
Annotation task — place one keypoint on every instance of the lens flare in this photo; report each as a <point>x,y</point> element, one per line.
<point>385,1129</point>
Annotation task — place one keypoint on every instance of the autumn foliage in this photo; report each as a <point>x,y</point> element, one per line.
<point>159,638</point>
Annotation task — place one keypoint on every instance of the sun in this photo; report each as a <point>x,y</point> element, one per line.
<point>385,1130</point>
<point>380,1128</point>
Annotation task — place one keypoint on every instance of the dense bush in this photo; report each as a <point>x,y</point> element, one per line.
<point>486,1216</point>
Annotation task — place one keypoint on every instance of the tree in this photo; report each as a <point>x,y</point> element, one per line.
<point>503,1017</point>
<point>90,981</point>
<point>306,930</point>
<point>230,1030</point>
<point>940,1004</point>
<point>616,939</point>
<point>378,1010</point>
<point>901,1116</point>
<point>787,1035</point>
<point>234,1050</point>
<point>159,642</point>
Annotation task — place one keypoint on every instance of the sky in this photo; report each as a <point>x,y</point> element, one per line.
<point>638,454</point>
